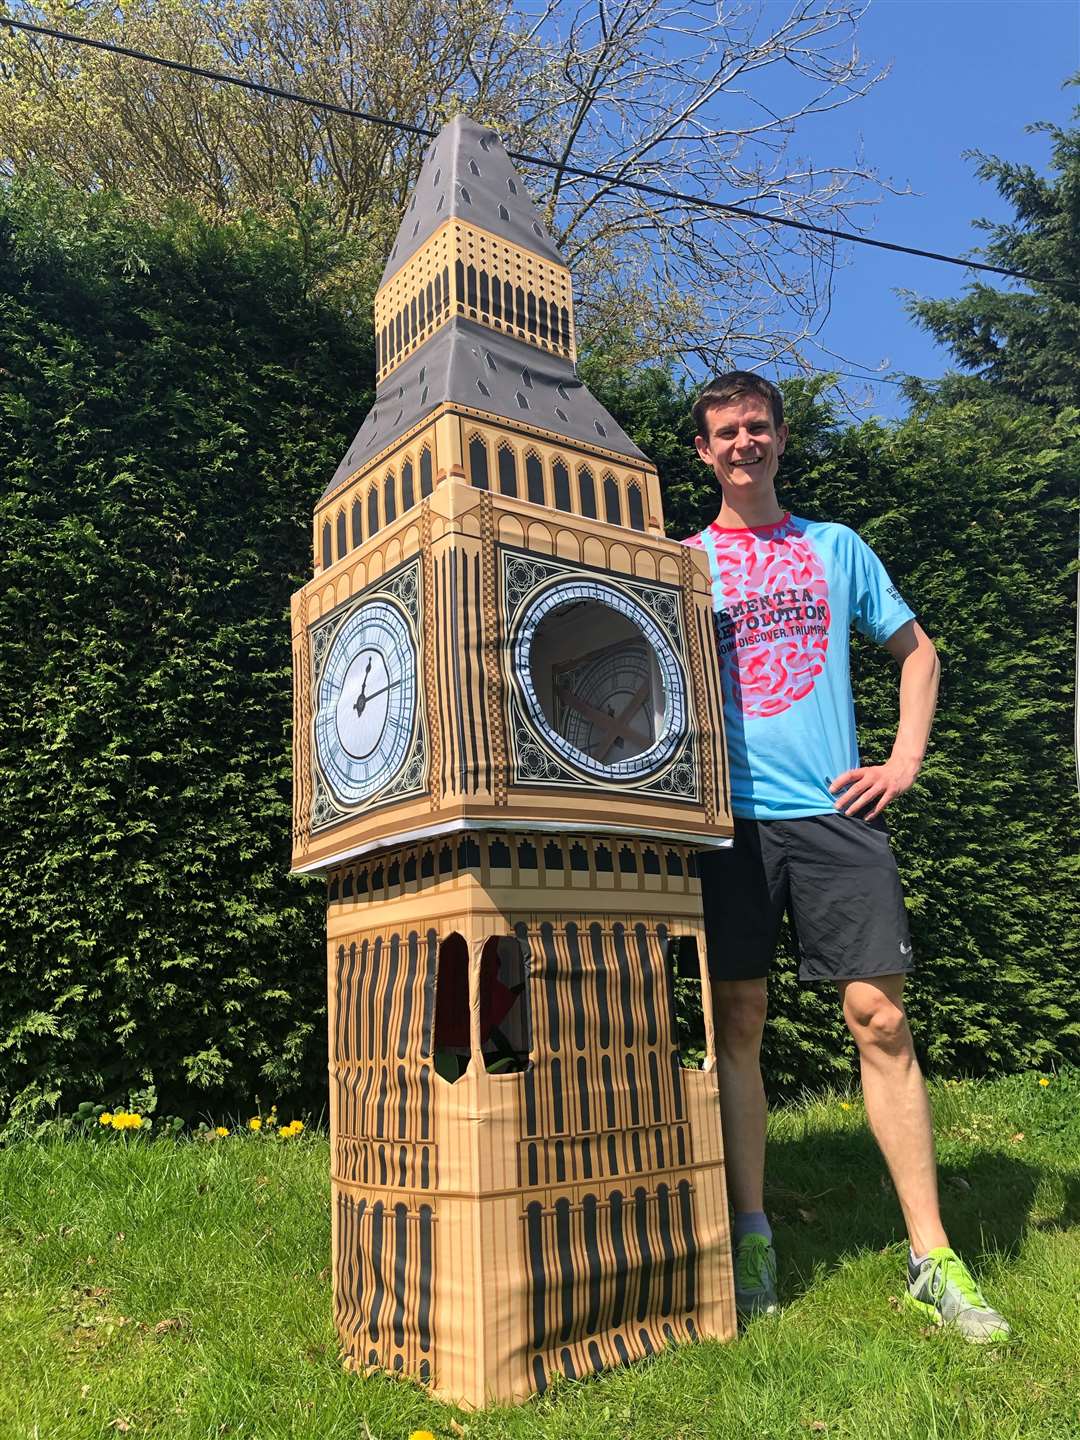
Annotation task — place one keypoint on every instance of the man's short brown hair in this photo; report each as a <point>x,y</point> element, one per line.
<point>734,386</point>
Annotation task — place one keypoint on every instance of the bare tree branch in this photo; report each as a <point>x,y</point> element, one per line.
<point>708,97</point>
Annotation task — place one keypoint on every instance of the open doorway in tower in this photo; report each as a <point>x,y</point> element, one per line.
<point>686,999</point>
<point>502,985</point>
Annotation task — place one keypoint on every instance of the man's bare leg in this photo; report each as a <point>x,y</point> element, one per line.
<point>897,1105</point>
<point>740,1007</point>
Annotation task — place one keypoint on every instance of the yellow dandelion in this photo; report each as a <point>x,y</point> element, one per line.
<point>119,1120</point>
<point>296,1126</point>
<point>106,1118</point>
<point>135,1122</point>
<point>1043,1080</point>
<point>255,1123</point>
<point>844,1105</point>
<point>221,1131</point>
<point>421,1435</point>
<point>271,1120</point>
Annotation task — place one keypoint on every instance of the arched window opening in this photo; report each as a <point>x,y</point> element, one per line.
<point>505,1028</point>
<point>587,492</point>
<point>327,552</point>
<point>534,477</point>
<point>561,476</point>
<point>372,510</point>
<point>421,318</point>
<point>686,1000</point>
<point>389,497</point>
<point>530,310</point>
<point>470,287</point>
<point>438,294</point>
<point>612,504</point>
<point>519,308</point>
<point>508,302</point>
<point>459,282</point>
<point>637,511</point>
<point>507,470</point>
<point>478,462</point>
<point>496,298</point>
<point>425,471</point>
<point>452,1042</point>
<point>485,291</point>
<point>357,523</point>
<point>342,543</point>
<point>543,318</point>
<point>407,500</point>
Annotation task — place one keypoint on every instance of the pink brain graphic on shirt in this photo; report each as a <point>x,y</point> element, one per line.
<point>773,620</point>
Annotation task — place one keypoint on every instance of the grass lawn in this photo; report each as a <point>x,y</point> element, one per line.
<point>181,1290</point>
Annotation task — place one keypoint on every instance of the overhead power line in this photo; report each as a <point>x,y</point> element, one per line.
<point>742,212</point>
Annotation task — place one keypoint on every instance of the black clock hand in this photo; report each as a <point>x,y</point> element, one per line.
<point>376,693</point>
<point>362,700</point>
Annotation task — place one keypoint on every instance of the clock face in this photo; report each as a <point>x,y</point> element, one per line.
<point>366,702</point>
<point>601,682</point>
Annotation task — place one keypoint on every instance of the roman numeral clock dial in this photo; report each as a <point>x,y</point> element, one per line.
<point>366,702</point>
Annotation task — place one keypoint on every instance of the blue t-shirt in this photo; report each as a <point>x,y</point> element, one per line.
<point>785,596</point>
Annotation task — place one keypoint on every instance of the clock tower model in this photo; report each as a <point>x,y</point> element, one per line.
<point>508,750</point>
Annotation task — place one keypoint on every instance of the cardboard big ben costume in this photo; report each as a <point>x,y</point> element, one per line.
<point>508,750</point>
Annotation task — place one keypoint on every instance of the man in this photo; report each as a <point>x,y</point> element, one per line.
<point>809,836</point>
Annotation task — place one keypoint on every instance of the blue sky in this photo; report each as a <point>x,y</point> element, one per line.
<point>966,74</point>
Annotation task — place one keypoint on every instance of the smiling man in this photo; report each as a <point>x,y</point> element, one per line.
<point>809,834</point>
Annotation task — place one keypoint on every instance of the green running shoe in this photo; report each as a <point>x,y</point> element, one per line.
<point>942,1289</point>
<point>755,1277</point>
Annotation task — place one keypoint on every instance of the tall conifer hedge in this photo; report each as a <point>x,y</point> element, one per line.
<point>172,400</point>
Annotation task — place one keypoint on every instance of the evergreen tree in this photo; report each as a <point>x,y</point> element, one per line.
<point>173,397</point>
<point>1024,343</point>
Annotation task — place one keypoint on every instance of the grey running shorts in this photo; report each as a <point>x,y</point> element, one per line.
<point>836,877</point>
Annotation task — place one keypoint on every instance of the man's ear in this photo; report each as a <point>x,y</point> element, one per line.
<point>781,439</point>
<point>702,447</point>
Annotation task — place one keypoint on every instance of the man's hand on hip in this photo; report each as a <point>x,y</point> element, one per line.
<point>873,785</point>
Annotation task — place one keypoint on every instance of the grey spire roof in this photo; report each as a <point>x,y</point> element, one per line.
<point>467,364</point>
<point>467,175</point>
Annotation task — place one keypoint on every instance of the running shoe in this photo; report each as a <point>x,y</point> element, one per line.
<point>942,1290</point>
<point>755,1277</point>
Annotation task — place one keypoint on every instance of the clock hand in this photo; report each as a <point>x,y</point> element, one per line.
<point>376,693</point>
<point>362,699</point>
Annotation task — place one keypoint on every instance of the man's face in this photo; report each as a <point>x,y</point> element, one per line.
<point>743,446</point>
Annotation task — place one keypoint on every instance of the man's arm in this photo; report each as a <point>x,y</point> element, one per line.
<point>914,652</point>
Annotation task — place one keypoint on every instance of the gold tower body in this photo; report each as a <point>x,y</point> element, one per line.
<point>508,750</point>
